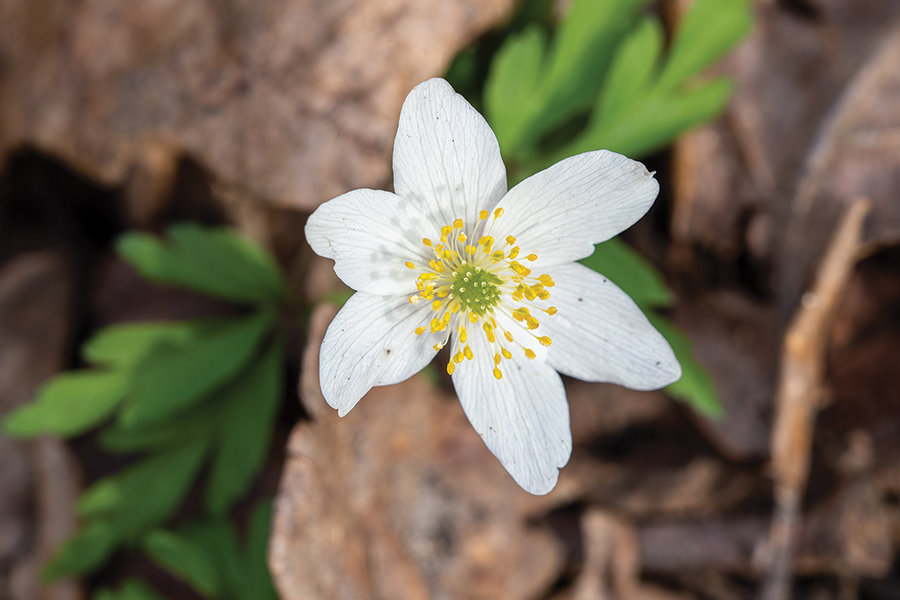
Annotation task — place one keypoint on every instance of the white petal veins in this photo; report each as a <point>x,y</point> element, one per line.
<point>565,209</point>
<point>523,418</point>
<point>370,234</point>
<point>599,334</point>
<point>446,158</point>
<point>372,341</point>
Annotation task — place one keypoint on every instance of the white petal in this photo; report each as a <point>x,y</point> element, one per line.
<point>370,234</point>
<point>561,212</point>
<point>372,341</point>
<point>446,158</point>
<point>523,417</point>
<point>599,333</point>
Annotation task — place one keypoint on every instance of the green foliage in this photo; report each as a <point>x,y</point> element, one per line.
<point>217,262</point>
<point>132,589</point>
<point>207,555</point>
<point>604,79</point>
<point>176,395</point>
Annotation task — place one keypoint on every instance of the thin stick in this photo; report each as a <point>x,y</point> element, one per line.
<point>799,394</point>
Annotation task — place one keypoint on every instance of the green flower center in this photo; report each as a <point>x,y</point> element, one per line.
<point>475,289</point>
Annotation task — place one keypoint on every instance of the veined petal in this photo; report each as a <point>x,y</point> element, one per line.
<point>372,341</point>
<point>523,417</point>
<point>599,334</point>
<point>561,212</point>
<point>446,158</point>
<point>370,235</point>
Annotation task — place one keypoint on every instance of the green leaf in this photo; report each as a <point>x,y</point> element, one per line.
<point>217,539</point>
<point>83,552</point>
<point>631,272</point>
<point>158,436</point>
<point>531,90</point>
<point>185,559</point>
<point>695,386</point>
<point>708,30</point>
<point>510,92</point>
<point>260,586</point>
<point>146,494</point>
<point>132,589</point>
<point>172,378</point>
<point>243,430</point>
<point>214,261</point>
<point>123,346</point>
<point>632,71</point>
<point>653,122</point>
<point>69,404</point>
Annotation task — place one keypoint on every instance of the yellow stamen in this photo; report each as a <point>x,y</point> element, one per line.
<point>468,352</point>
<point>498,212</point>
<point>532,257</point>
<point>506,353</point>
<point>510,240</point>
<point>497,373</point>
<point>427,242</point>
<point>497,358</point>
<point>410,265</point>
<point>508,336</point>
<point>420,330</point>
<point>514,252</point>
<point>483,215</point>
<point>544,340</point>
<point>458,357</point>
<point>529,353</point>
<point>450,368</point>
<point>552,310</point>
<point>457,224</point>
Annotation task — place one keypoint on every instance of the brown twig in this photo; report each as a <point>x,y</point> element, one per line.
<point>799,394</point>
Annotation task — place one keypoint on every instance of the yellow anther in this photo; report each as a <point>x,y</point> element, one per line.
<point>462,335</point>
<point>533,323</point>
<point>545,279</point>
<point>543,294</point>
<point>437,347</point>
<point>544,340</point>
<point>532,257</point>
<point>490,333</point>
<point>520,269</point>
<point>506,353</point>
<point>497,372</point>
<point>414,299</point>
<point>498,255</point>
<point>483,215</point>
<point>427,242</point>
<point>426,276</point>
<point>459,357</point>
<point>420,330</point>
<point>514,252</point>
<point>450,368</point>
<point>468,352</point>
<point>529,353</point>
<point>457,224</point>
<point>510,240</point>
<point>520,314</point>
<point>498,212</point>
<point>471,250</point>
<point>486,241</point>
<point>461,238</point>
<point>436,305</point>
<point>497,358</point>
<point>529,293</point>
<point>552,310</point>
<point>508,336</point>
<point>410,265</point>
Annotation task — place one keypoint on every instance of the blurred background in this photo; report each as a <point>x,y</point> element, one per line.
<point>163,433</point>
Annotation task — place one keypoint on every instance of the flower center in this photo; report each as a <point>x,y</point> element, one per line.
<point>483,286</point>
<point>475,289</point>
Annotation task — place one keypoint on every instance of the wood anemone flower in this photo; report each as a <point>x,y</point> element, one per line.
<point>452,258</point>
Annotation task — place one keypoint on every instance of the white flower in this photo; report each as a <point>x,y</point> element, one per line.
<point>452,258</point>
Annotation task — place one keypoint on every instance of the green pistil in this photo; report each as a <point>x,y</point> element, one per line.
<point>476,289</point>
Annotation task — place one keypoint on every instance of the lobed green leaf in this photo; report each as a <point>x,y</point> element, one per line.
<point>243,430</point>
<point>185,559</point>
<point>83,552</point>
<point>173,378</point>
<point>123,346</point>
<point>215,261</point>
<point>69,404</point>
